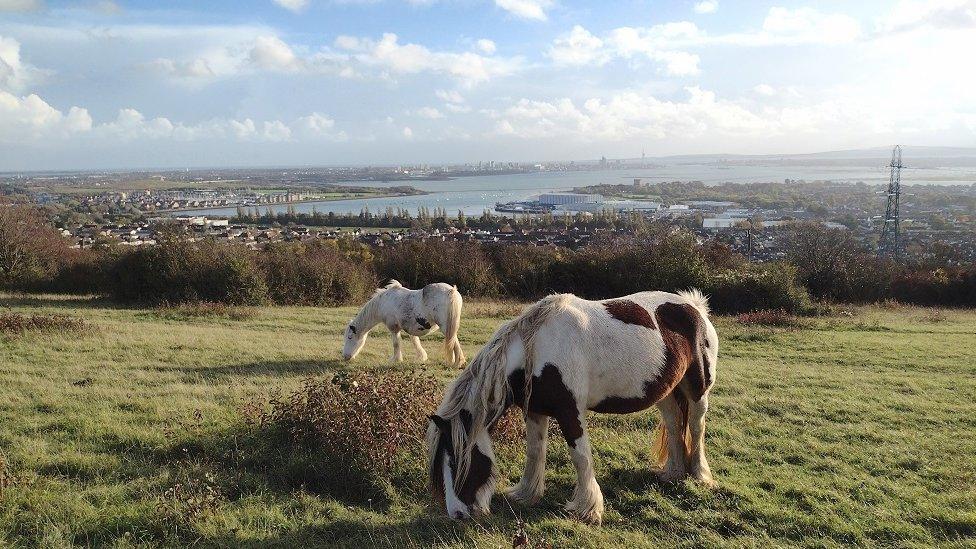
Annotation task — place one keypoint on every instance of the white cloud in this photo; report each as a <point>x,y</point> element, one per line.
<point>940,14</point>
<point>666,44</point>
<point>526,9</point>
<point>706,6</point>
<point>486,46</point>
<point>456,108</point>
<point>579,47</point>
<point>806,26</point>
<point>193,68</point>
<point>29,118</point>
<point>629,115</point>
<point>15,74</point>
<point>677,63</point>
<point>429,112</point>
<point>276,130</point>
<point>292,5</point>
<point>764,89</point>
<point>271,53</point>
<point>451,96</point>
<point>407,132</point>
<point>20,5</point>
<point>388,54</point>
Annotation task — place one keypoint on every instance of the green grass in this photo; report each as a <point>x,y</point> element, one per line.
<point>853,430</point>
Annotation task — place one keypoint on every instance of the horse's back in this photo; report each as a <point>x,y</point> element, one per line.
<point>437,290</point>
<point>616,347</point>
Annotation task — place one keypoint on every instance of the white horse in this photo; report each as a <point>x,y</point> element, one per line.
<point>613,356</point>
<point>416,312</point>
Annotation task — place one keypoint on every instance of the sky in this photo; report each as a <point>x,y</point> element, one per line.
<point>93,84</point>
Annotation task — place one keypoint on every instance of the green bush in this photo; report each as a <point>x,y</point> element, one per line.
<point>418,263</point>
<point>757,287</point>
<point>954,287</point>
<point>315,274</point>
<point>180,271</point>
<point>832,265</point>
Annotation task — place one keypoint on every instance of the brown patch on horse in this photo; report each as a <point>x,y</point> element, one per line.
<point>629,312</point>
<point>549,397</point>
<point>681,327</point>
<point>479,473</point>
<point>479,469</point>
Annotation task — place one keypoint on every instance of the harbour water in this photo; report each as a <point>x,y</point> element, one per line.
<point>474,194</point>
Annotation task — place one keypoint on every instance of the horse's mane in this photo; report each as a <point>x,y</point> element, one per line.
<point>370,306</point>
<point>393,283</point>
<point>483,389</point>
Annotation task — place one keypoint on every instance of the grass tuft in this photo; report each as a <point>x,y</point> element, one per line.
<point>19,323</point>
<point>774,317</point>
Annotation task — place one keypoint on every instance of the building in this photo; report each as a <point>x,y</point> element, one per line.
<point>558,199</point>
<point>612,205</point>
<point>721,222</point>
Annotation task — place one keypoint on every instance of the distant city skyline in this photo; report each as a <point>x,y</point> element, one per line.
<point>103,84</point>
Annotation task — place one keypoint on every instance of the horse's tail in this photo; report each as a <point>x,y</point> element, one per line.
<point>659,449</point>
<point>452,347</point>
<point>696,299</point>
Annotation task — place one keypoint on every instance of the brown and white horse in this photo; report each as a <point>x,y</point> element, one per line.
<point>614,356</point>
<point>416,312</point>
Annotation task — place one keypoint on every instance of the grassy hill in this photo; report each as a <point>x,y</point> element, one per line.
<point>858,429</point>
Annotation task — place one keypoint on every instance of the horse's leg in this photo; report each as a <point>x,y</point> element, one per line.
<point>529,490</point>
<point>700,470</point>
<point>587,501</point>
<point>397,351</point>
<point>420,348</point>
<point>675,423</point>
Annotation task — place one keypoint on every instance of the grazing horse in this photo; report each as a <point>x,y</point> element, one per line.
<point>560,358</point>
<point>416,312</point>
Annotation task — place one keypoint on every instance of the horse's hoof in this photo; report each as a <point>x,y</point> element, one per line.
<point>670,476</point>
<point>706,481</point>
<point>516,494</point>
<point>593,517</point>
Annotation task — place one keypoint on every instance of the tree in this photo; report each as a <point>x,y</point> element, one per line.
<point>31,250</point>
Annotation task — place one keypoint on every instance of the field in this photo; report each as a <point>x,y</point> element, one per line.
<point>853,429</point>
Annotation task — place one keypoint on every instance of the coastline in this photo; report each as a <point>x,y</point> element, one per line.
<point>292,202</point>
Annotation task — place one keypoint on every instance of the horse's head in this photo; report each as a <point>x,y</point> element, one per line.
<point>355,339</point>
<point>462,470</point>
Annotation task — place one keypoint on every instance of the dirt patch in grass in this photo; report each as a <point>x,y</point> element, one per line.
<point>19,324</point>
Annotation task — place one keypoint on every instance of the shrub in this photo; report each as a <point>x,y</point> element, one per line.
<point>17,323</point>
<point>832,265</point>
<point>31,250</point>
<point>774,317</point>
<point>418,263</point>
<point>178,271</point>
<point>757,287</point>
<point>955,287</point>
<point>315,274</point>
<point>364,423</point>
<point>669,261</point>
<point>527,272</point>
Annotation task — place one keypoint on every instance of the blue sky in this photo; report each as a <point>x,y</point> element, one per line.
<point>102,83</point>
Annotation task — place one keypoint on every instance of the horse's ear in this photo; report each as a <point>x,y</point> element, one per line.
<point>441,423</point>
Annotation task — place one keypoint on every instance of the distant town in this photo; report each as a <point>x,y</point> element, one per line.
<point>131,208</point>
